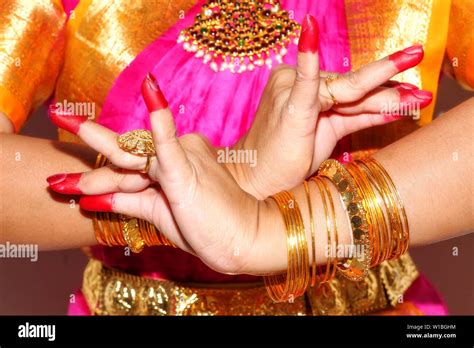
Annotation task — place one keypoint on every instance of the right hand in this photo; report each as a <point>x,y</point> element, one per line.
<point>297,124</point>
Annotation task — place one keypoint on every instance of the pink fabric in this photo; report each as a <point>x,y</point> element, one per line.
<point>425,297</point>
<point>218,105</point>
<point>421,293</point>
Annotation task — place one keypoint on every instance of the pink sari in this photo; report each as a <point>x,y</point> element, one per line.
<point>220,106</point>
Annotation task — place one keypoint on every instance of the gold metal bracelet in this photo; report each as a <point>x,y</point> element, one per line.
<point>357,267</point>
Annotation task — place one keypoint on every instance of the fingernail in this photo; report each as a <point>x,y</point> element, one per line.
<point>309,37</point>
<point>423,94</point>
<point>398,85</point>
<point>415,49</point>
<point>66,120</point>
<point>415,98</point>
<point>97,203</point>
<point>407,58</point>
<point>65,183</point>
<point>152,95</point>
<point>408,86</point>
<point>56,178</point>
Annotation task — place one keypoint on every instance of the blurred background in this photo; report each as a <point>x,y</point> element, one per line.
<point>45,286</point>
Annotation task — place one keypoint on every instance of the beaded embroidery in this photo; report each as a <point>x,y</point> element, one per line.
<point>240,35</point>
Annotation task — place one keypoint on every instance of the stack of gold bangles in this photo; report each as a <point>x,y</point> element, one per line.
<point>378,222</point>
<point>120,230</point>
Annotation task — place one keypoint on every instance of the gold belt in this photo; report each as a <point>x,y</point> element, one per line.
<point>112,292</point>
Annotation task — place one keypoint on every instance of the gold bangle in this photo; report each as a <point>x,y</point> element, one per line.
<point>326,277</point>
<point>334,224</point>
<point>313,235</point>
<point>292,284</point>
<point>131,233</point>
<point>398,239</point>
<point>375,217</point>
<point>355,268</point>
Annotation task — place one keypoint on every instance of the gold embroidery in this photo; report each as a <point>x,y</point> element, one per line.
<point>112,292</point>
<point>32,40</point>
<point>377,28</point>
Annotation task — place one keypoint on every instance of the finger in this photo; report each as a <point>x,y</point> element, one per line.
<point>344,125</point>
<point>173,170</point>
<point>303,100</point>
<point>150,205</point>
<point>106,179</point>
<point>401,99</point>
<point>98,137</point>
<point>354,85</point>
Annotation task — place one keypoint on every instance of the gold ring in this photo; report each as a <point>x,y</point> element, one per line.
<point>147,165</point>
<point>138,142</point>
<point>330,78</point>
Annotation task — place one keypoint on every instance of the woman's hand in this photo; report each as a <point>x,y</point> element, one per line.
<point>297,124</point>
<point>198,206</point>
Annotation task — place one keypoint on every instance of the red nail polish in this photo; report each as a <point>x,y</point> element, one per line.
<point>407,58</point>
<point>152,95</point>
<point>67,185</point>
<point>65,120</point>
<point>309,36</point>
<point>398,85</point>
<point>97,203</point>
<point>415,98</point>
<point>408,86</point>
<point>56,178</point>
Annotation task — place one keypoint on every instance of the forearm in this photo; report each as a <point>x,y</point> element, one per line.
<point>30,213</point>
<point>432,170</point>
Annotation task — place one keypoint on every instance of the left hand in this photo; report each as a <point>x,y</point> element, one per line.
<point>199,206</point>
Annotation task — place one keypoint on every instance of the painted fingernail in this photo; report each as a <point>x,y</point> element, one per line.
<point>398,85</point>
<point>152,95</point>
<point>56,178</point>
<point>97,203</point>
<point>66,120</point>
<point>408,86</point>
<point>407,58</point>
<point>415,98</point>
<point>65,183</point>
<point>309,37</point>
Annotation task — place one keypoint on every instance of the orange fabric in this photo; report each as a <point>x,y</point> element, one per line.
<point>377,28</point>
<point>435,47</point>
<point>32,37</point>
<point>460,47</point>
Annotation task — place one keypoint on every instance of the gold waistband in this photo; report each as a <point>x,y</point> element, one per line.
<point>112,292</point>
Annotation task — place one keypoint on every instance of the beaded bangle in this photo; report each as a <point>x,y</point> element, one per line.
<point>355,268</point>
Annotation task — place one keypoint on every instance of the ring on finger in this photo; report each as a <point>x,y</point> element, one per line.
<point>147,165</point>
<point>138,142</point>
<point>330,78</point>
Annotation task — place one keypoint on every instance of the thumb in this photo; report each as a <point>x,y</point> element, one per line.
<point>303,103</point>
<point>173,167</point>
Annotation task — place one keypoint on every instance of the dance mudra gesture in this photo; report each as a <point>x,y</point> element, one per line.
<point>267,220</point>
